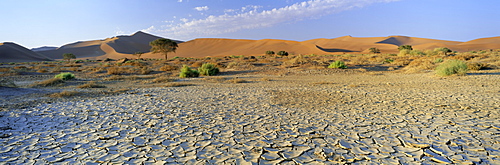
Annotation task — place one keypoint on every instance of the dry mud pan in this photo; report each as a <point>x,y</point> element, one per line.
<point>334,119</point>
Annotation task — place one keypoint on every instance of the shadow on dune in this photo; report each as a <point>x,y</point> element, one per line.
<point>334,50</point>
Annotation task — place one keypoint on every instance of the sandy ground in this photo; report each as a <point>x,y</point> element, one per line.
<point>386,118</point>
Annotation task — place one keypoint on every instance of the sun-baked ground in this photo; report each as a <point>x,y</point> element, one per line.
<point>383,109</point>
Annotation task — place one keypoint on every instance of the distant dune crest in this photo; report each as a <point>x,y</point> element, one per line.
<point>126,45</point>
<point>12,52</point>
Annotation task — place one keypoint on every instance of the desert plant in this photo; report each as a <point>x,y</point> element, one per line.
<point>442,51</point>
<point>439,60</point>
<point>91,84</point>
<point>63,94</point>
<point>374,50</point>
<point>405,47</point>
<point>451,67</point>
<point>270,53</point>
<point>138,54</point>
<point>404,52</point>
<point>416,53</point>
<point>338,64</point>
<point>163,45</point>
<point>476,66</point>
<point>168,68</point>
<point>49,82</point>
<point>282,53</point>
<point>187,72</point>
<point>65,76</point>
<point>176,84</point>
<point>68,56</point>
<point>208,69</point>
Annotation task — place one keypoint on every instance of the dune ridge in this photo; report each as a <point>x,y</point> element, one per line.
<point>12,52</point>
<point>124,46</point>
<point>115,47</point>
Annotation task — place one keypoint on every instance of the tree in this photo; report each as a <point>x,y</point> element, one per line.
<point>68,56</point>
<point>163,45</point>
<point>270,52</point>
<point>405,47</point>
<point>374,50</point>
<point>138,54</point>
<point>282,53</point>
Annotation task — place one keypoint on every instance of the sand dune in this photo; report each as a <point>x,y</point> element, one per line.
<point>125,46</point>
<point>12,52</point>
<point>115,47</point>
<point>226,47</point>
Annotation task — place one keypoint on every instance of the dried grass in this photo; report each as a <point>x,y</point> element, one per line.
<point>63,94</point>
<point>177,84</point>
<point>91,84</point>
<point>49,82</point>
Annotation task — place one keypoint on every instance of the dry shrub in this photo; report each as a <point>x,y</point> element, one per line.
<point>63,94</point>
<point>56,69</point>
<point>145,70</point>
<point>42,70</point>
<point>121,77</point>
<point>49,82</point>
<point>75,69</point>
<point>424,64</point>
<point>197,64</point>
<point>134,63</point>
<point>117,70</point>
<point>168,68</point>
<point>5,69</point>
<point>91,84</point>
<point>463,57</point>
<point>298,60</point>
<point>50,65</point>
<point>20,67</point>
<point>402,61</point>
<point>476,66</point>
<point>72,65</point>
<point>176,84</point>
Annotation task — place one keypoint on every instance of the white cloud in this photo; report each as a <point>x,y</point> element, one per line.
<point>213,25</point>
<point>202,8</point>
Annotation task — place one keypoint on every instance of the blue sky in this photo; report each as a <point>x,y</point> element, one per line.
<point>34,23</point>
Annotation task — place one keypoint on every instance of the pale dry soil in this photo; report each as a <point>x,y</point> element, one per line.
<point>387,118</point>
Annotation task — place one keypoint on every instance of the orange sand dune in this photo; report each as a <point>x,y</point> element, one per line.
<point>125,46</point>
<point>225,47</point>
<point>11,52</point>
<point>115,47</point>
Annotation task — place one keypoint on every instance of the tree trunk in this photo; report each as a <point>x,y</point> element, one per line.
<point>166,56</point>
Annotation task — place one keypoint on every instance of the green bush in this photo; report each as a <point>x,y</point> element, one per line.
<point>338,64</point>
<point>282,53</point>
<point>65,76</point>
<point>270,53</point>
<point>187,72</point>
<point>208,69</point>
<point>405,47</point>
<point>374,50</point>
<point>439,60</point>
<point>451,67</point>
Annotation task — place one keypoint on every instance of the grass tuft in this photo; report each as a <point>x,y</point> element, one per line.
<point>451,67</point>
